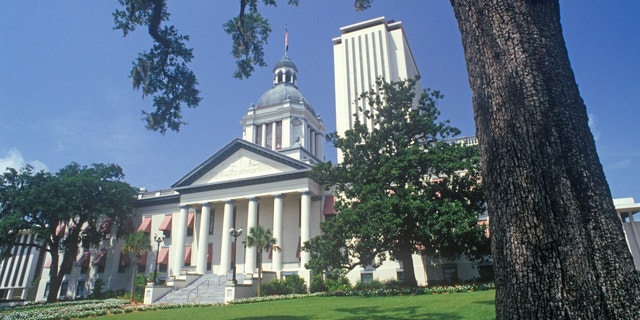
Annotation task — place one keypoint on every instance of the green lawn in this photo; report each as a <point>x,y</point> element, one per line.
<point>472,305</point>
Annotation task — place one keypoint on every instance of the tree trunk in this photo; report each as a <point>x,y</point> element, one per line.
<point>259,273</point>
<point>134,269</point>
<point>54,280</point>
<point>405,256</point>
<point>557,242</point>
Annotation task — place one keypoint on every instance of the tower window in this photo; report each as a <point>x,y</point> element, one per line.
<point>268,135</point>
<point>278,135</point>
<point>258,135</point>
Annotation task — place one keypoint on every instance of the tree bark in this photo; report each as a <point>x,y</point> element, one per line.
<point>558,244</point>
<point>407,266</point>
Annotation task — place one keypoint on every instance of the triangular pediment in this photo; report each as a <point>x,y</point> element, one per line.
<point>240,160</point>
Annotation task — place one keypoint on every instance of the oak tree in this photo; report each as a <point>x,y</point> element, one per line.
<point>558,245</point>
<point>402,188</point>
<point>71,209</point>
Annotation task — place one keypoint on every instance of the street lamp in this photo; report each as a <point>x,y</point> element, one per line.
<point>235,234</point>
<point>158,239</point>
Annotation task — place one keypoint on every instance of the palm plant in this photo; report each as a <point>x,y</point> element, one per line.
<point>263,240</point>
<point>136,244</point>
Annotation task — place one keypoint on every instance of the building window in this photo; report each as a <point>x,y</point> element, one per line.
<point>101,260</point>
<point>165,226</point>
<point>46,289</point>
<point>366,277</point>
<point>268,136</point>
<point>191,218</point>
<point>450,273</point>
<point>258,134</point>
<point>80,289</point>
<point>234,216</point>
<point>212,218</point>
<point>400,276</point>
<point>299,212</point>
<point>64,287</point>
<point>278,135</point>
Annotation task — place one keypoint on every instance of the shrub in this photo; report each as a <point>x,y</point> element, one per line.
<point>290,285</point>
<point>317,284</point>
<point>337,282</point>
<point>373,284</point>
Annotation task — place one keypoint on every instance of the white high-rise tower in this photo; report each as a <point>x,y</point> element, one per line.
<point>363,52</point>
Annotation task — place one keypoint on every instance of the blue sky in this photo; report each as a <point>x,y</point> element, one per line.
<point>65,95</point>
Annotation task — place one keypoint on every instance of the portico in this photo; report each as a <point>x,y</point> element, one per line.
<point>285,201</point>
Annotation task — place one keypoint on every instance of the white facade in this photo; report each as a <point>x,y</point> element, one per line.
<point>241,186</point>
<point>362,53</point>
<point>628,211</point>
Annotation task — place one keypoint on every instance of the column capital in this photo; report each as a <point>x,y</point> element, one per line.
<point>206,204</point>
<point>254,198</point>
<point>278,195</point>
<point>229,201</point>
<point>304,191</point>
<point>184,206</point>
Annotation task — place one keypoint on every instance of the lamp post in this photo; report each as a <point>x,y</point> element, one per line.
<point>158,239</point>
<point>235,234</point>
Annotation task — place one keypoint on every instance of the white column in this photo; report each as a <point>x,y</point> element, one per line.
<point>305,217</point>
<point>252,221</point>
<point>179,235</point>
<point>225,247</point>
<point>203,235</point>
<point>278,215</point>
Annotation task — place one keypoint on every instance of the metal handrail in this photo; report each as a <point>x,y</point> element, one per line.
<point>225,275</point>
<point>196,289</point>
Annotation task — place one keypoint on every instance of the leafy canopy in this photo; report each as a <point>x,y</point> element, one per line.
<point>401,188</point>
<point>76,206</point>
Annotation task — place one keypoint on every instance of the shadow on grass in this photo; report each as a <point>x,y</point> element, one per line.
<point>279,317</point>
<point>393,314</point>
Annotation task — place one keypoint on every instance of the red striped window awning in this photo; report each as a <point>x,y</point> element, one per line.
<point>166,223</point>
<point>145,225</point>
<point>163,256</point>
<point>329,203</point>
<point>60,229</point>
<point>187,254</point>
<point>84,259</point>
<point>143,259</point>
<point>101,259</point>
<point>106,226</point>
<point>190,220</point>
<point>124,259</point>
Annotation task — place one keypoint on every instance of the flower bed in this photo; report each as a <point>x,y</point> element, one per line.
<point>64,310</point>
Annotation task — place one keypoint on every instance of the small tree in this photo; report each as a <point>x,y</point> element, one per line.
<point>135,245</point>
<point>263,240</point>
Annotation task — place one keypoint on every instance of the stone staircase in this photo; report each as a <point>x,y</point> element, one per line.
<point>209,288</point>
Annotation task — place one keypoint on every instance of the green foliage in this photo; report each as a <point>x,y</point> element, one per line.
<point>161,72</point>
<point>402,188</point>
<point>337,281</point>
<point>262,239</point>
<point>317,284</point>
<point>81,198</point>
<point>290,285</point>
<point>136,245</point>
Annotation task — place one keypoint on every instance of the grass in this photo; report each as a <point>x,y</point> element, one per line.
<point>471,305</point>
